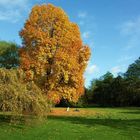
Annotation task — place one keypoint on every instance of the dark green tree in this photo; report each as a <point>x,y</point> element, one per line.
<point>9,57</point>
<point>101,89</point>
<point>132,76</point>
<point>133,70</point>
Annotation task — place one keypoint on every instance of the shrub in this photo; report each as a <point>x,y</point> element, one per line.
<point>18,97</point>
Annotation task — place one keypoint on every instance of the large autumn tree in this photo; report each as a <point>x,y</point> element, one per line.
<point>53,55</point>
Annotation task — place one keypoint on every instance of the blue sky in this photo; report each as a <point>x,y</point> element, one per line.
<point>110,27</point>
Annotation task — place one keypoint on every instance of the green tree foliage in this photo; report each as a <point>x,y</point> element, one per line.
<point>102,90</point>
<point>107,77</point>
<point>119,91</point>
<point>8,55</point>
<point>134,70</point>
<point>110,92</point>
<point>132,76</point>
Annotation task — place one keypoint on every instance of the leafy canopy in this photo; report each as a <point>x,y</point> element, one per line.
<point>53,55</point>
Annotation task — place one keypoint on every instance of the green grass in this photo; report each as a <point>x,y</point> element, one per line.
<point>95,124</point>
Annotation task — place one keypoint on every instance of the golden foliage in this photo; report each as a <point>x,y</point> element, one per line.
<point>19,97</point>
<point>53,54</point>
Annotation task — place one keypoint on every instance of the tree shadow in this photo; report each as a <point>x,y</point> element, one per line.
<point>13,122</point>
<point>127,124</point>
<point>18,122</point>
<point>5,118</point>
<point>130,108</point>
<point>132,112</point>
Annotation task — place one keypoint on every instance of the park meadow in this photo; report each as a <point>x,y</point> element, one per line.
<point>42,86</point>
<point>87,123</point>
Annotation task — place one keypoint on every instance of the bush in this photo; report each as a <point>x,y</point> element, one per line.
<point>18,97</point>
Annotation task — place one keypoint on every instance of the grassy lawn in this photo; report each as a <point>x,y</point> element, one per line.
<point>86,124</point>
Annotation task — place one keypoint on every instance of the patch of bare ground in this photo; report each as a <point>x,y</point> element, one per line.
<point>74,112</point>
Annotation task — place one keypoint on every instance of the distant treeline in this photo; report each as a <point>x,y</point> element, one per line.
<point>123,90</point>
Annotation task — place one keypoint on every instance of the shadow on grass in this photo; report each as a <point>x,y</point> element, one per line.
<point>19,122</point>
<point>133,111</point>
<point>131,124</point>
<point>12,121</point>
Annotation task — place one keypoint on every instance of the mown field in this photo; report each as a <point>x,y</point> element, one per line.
<point>85,124</point>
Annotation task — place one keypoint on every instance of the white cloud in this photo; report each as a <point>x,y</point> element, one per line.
<point>13,3</point>
<point>81,23</point>
<point>82,14</point>
<point>9,15</point>
<point>131,27</point>
<point>116,69</point>
<point>132,42</point>
<point>12,10</point>
<point>131,30</point>
<point>91,69</point>
<point>85,35</point>
<point>125,58</point>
